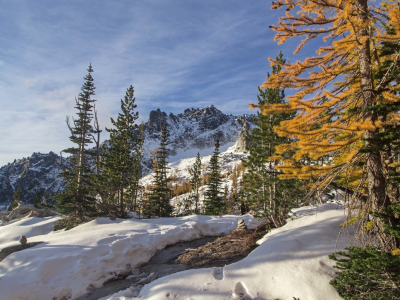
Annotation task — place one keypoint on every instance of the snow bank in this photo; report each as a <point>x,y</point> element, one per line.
<point>291,261</point>
<point>70,263</point>
<point>10,234</point>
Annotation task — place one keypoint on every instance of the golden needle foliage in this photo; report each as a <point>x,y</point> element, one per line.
<point>329,91</point>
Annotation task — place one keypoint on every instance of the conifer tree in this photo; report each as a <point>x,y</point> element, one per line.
<point>119,163</point>
<point>76,199</point>
<point>265,190</point>
<point>37,199</point>
<point>214,204</point>
<point>195,180</point>
<point>17,198</point>
<point>341,81</point>
<point>134,187</point>
<point>160,192</point>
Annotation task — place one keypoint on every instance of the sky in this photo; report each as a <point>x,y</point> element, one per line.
<point>177,54</point>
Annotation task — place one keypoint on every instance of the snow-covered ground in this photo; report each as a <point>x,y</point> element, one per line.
<point>291,261</point>
<point>70,263</point>
<point>228,159</point>
<point>30,227</point>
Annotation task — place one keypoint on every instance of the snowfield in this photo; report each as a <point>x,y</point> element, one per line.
<point>10,234</point>
<point>291,261</point>
<point>70,263</point>
<point>228,160</point>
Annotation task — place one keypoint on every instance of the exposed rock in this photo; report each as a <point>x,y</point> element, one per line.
<point>30,174</point>
<point>25,211</point>
<point>243,142</point>
<point>194,130</point>
<point>241,225</point>
<point>23,240</point>
<point>11,249</point>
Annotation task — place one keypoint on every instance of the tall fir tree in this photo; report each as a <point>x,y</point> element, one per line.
<point>76,199</point>
<point>195,180</point>
<point>214,203</point>
<point>119,164</point>
<point>160,194</point>
<point>134,186</point>
<point>261,183</point>
<point>38,199</point>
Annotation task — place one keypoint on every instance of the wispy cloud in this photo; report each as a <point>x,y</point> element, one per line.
<point>176,53</point>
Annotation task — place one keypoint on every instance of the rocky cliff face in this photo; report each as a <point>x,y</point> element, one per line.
<point>194,130</point>
<point>38,171</point>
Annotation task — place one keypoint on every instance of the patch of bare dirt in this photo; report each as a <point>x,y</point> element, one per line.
<point>224,250</point>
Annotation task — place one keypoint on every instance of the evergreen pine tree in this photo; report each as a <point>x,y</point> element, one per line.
<point>265,190</point>
<point>134,187</point>
<point>17,198</point>
<point>37,199</point>
<point>118,162</point>
<point>214,204</point>
<point>195,180</point>
<point>76,200</point>
<point>160,193</point>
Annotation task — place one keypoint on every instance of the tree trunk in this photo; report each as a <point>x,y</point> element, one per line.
<point>197,198</point>
<point>375,171</point>
<point>81,150</point>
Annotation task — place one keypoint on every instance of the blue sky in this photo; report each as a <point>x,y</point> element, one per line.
<point>176,53</point>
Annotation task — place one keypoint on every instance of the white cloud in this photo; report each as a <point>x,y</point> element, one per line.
<point>176,54</point>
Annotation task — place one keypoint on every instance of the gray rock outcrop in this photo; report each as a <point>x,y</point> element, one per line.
<point>23,240</point>
<point>192,131</point>
<point>241,225</point>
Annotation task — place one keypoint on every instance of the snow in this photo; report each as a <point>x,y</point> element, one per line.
<point>180,168</point>
<point>69,263</point>
<point>291,261</point>
<point>192,152</point>
<point>10,234</point>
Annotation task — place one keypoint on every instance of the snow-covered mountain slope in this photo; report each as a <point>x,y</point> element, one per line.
<point>180,168</point>
<point>194,130</point>
<point>30,174</point>
<point>228,160</point>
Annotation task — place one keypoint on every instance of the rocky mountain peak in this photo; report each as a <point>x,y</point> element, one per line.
<point>38,171</point>
<point>194,130</point>
<point>157,119</point>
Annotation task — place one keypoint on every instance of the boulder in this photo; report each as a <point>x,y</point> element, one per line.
<point>241,225</point>
<point>23,240</point>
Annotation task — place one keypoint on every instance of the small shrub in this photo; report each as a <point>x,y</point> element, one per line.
<point>12,206</point>
<point>367,274</point>
<point>68,223</point>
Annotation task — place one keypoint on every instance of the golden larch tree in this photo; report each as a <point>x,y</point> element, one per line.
<point>337,94</point>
